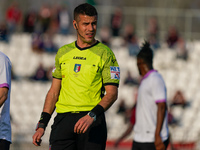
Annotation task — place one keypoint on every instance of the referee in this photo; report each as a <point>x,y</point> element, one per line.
<point>84,70</point>
<point>150,129</point>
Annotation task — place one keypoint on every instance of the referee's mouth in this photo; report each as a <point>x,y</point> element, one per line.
<point>90,35</point>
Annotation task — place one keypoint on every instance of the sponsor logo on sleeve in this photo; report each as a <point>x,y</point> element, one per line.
<point>115,72</point>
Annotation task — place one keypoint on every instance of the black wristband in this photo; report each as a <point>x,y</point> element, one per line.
<point>45,117</point>
<point>98,110</point>
<point>40,125</point>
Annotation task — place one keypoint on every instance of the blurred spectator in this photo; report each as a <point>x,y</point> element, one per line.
<point>171,120</point>
<point>13,17</point>
<point>178,99</point>
<point>64,20</point>
<point>13,75</point>
<point>49,73</point>
<point>105,35</point>
<point>176,42</point>
<point>40,74</point>
<point>129,80</point>
<point>37,42</point>
<point>153,31</point>
<point>30,22</point>
<point>54,20</point>
<point>181,50</point>
<point>172,37</point>
<point>4,32</point>
<point>124,110</point>
<point>131,40</point>
<point>48,44</point>
<point>45,17</point>
<point>43,42</point>
<point>129,128</point>
<point>121,107</point>
<point>116,21</point>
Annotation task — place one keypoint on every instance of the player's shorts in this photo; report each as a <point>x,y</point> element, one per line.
<point>63,137</point>
<point>4,145</point>
<point>145,146</point>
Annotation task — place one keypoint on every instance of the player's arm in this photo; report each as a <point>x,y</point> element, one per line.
<point>160,118</point>
<point>49,106</point>
<point>84,123</point>
<point>125,134</point>
<point>129,128</point>
<point>3,95</point>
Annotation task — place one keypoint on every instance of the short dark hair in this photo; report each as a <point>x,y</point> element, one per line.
<point>85,9</point>
<point>146,53</point>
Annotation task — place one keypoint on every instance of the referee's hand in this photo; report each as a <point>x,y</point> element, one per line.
<point>37,137</point>
<point>83,124</point>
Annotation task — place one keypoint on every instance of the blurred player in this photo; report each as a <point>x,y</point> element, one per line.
<point>129,128</point>
<point>5,87</point>
<point>151,128</point>
<point>84,70</point>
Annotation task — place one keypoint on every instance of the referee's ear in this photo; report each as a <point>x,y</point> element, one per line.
<point>75,24</point>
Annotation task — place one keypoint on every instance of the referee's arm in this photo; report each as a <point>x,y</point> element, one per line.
<point>85,122</point>
<point>49,106</point>
<point>110,97</point>
<point>52,96</point>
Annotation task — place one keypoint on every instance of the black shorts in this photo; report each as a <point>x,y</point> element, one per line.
<point>4,145</point>
<point>147,146</point>
<point>63,137</point>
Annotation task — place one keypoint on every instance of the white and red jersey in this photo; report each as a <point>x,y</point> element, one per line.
<point>152,90</point>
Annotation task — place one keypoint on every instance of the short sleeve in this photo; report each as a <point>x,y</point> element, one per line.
<point>111,70</point>
<point>56,72</point>
<point>158,89</point>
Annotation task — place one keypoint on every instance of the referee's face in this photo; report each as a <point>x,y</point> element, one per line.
<point>86,28</point>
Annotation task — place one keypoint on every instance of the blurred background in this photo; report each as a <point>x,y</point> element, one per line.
<point>31,31</point>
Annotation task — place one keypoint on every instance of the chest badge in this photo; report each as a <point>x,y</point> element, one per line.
<point>77,67</point>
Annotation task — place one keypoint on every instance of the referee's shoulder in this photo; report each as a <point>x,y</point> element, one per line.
<point>66,47</point>
<point>104,47</point>
<point>100,44</point>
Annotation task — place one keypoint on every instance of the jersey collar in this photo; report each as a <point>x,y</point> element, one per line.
<point>148,73</point>
<point>84,48</point>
